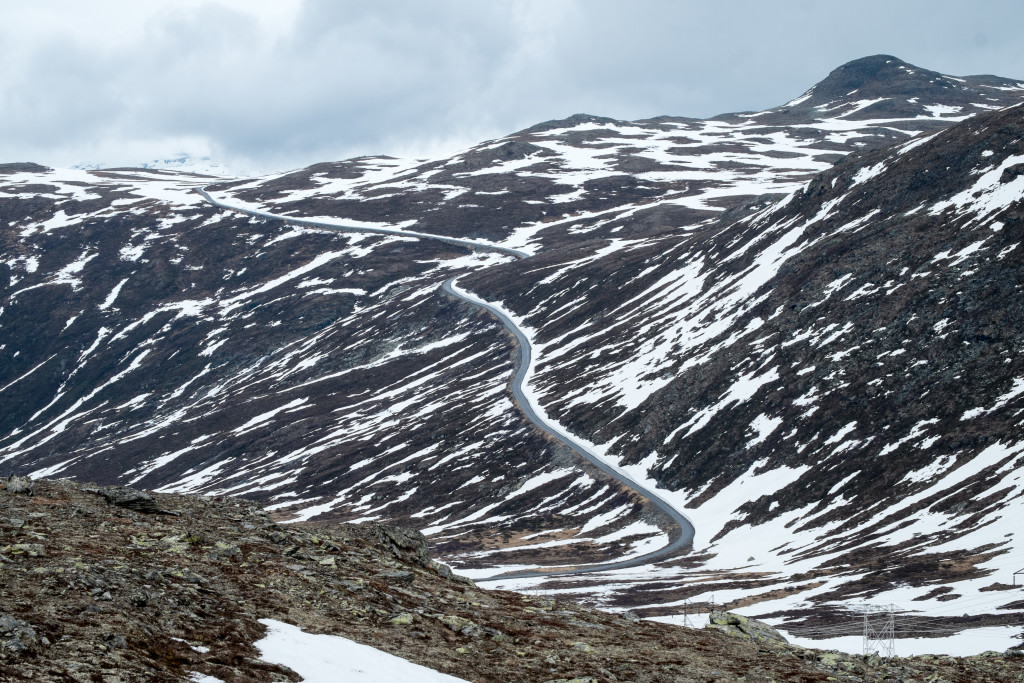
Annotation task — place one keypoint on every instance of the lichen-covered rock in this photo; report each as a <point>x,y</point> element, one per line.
<point>744,627</point>
<point>15,635</point>
<point>129,498</point>
<point>21,485</point>
<point>29,549</point>
<point>405,543</point>
<point>466,627</point>
<point>395,576</point>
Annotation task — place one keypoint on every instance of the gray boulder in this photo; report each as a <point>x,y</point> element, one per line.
<point>21,485</point>
<point>129,498</point>
<point>16,635</point>
<point>744,627</point>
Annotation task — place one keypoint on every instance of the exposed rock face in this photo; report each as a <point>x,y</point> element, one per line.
<point>744,627</point>
<point>122,595</point>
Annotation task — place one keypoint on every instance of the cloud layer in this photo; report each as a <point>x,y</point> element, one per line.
<point>287,83</point>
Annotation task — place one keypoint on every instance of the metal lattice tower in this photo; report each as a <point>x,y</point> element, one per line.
<point>880,631</point>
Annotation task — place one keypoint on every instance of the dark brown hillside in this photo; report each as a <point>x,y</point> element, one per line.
<point>883,347</point>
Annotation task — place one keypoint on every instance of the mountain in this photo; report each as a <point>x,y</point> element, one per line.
<point>183,161</point>
<point>884,87</point>
<point>561,182</point>
<point>829,385</point>
<point>798,326</point>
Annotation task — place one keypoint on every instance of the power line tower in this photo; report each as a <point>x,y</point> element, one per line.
<point>880,631</point>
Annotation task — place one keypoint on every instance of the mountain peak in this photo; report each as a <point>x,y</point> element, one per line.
<point>888,87</point>
<point>872,65</point>
<point>874,76</point>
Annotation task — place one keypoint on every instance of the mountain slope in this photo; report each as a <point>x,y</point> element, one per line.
<point>179,347</point>
<point>703,333</point>
<point>560,182</point>
<point>830,385</point>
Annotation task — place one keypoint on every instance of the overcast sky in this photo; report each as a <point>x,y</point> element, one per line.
<point>273,84</point>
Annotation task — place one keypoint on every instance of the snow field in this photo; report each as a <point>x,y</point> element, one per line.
<point>321,658</point>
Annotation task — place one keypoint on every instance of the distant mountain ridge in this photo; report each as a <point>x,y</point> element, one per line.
<point>182,161</point>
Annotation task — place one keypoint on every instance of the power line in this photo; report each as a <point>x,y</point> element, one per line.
<point>975,602</point>
<point>880,627</point>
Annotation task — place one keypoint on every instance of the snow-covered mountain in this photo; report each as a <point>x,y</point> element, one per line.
<point>800,324</point>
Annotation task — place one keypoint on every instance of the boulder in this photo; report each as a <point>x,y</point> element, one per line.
<point>407,544</point>
<point>395,576</point>
<point>744,627</point>
<point>446,572</point>
<point>16,635</point>
<point>22,485</point>
<point>466,627</point>
<point>129,498</point>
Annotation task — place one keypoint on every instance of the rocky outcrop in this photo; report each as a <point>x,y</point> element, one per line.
<point>132,499</point>
<point>17,636</point>
<point>19,485</point>
<point>744,627</point>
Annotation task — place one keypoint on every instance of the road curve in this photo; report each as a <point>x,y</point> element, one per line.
<point>679,539</point>
<point>321,225</point>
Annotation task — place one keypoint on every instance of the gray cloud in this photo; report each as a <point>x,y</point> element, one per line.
<point>408,77</point>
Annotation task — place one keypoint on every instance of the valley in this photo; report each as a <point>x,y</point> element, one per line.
<point>797,329</point>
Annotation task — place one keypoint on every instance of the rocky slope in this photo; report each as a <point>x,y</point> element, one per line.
<point>848,354</point>
<point>113,584</point>
<point>722,305</point>
<point>166,343</point>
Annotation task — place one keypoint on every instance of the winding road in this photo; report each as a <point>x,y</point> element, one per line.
<point>336,227</point>
<point>679,538</point>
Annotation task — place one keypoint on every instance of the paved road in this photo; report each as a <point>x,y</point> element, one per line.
<point>322,225</point>
<point>679,539</point>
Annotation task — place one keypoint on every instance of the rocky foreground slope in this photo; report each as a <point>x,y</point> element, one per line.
<point>111,584</point>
